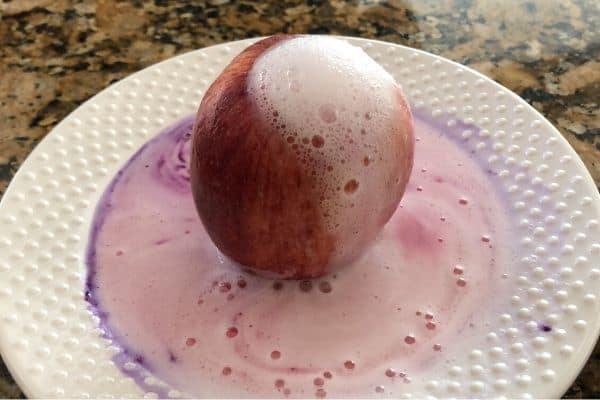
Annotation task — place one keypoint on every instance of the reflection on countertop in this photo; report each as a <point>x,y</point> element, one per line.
<point>56,54</point>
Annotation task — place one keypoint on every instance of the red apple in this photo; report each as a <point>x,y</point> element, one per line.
<point>301,152</point>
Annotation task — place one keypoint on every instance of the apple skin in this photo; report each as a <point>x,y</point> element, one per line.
<point>255,198</point>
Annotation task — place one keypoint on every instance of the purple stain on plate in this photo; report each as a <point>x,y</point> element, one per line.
<point>170,175</point>
<point>178,181</point>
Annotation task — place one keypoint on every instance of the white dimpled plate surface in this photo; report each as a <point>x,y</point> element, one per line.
<point>51,342</point>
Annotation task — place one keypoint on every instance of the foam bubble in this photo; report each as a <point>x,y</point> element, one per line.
<point>338,108</point>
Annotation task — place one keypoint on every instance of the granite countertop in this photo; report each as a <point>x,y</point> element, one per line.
<point>55,54</point>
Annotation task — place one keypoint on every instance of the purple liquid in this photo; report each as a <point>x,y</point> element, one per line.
<point>192,318</point>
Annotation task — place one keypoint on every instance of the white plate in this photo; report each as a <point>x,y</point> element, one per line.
<point>51,342</point>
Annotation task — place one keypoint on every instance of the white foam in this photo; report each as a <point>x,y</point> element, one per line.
<point>340,111</point>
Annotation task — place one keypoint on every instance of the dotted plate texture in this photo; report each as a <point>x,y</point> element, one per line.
<point>52,343</point>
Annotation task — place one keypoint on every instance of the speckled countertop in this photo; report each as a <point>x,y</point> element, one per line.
<point>55,54</point>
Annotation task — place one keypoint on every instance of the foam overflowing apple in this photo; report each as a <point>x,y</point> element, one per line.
<point>301,152</point>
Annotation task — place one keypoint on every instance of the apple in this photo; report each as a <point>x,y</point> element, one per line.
<point>301,151</point>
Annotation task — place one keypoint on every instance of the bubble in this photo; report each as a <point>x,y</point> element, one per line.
<point>224,287</point>
<point>351,186</point>
<point>321,393</point>
<point>463,201</point>
<point>327,375</point>
<point>241,283</point>
<point>437,347</point>
<point>232,332</point>
<point>349,364</point>
<point>461,282</point>
<point>318,381</point>
<point>190,341</point>
<point>275,354</point>
<point>328,113</point>
<point>318,141</point>
<point>409,339</point>
<point>379,389</point>
<point>390,372</point>
<point>279,383</point>
<point>325,287</point>
<point>458,270</point>
<point>226,371</point>
<point>366,161</point>
<point>485,239</point>
<point>305,285</point>
<point>430,325</point>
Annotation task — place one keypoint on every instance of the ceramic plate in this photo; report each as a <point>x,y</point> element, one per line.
<point>53,344</point>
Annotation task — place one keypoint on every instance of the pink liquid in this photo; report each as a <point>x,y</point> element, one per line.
<point>189,316</point>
